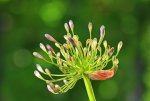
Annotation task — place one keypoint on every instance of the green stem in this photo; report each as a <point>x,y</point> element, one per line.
<point>89,88</point>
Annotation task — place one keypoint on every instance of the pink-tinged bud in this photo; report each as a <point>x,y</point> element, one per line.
<point>50,50</point>
<point>90,27</point>
<point>50,88</point>
<point>66,27</point>
<point>102,31</point>
<point>36,54</point>
<point>39,68</point>
<point>71,25</point>
<point>120,45</point>
<point>49,47</point>
<point>37,74</point>
<point>102,74</point>
<point>72,41</point>
<point>43,47</point>
<point>50,38</point>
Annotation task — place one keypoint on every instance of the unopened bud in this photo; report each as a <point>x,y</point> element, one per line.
<point>71,25</point>
<point>66,27</point>
<point>57,87</point>
<point>58,54</point>
<point>85,51</point>
<point>48,72</point>
<point>111,51</point>
<point>105,44</point>
<point>49,87</point>
<point>94,43</point>
<point>75,37</point>
<point>115,61</point>
<point>49,48</point>
<point>39,68</point>
<point>50,38</point>
<point>65,81</point>
<point>37,74</point>
<point>102,31</point>
<point>120,45</point>
<point>57,45</point>
<point>43,47</point>
<point>90,27</point>
<point>36,54</point>
<point>72,41</point>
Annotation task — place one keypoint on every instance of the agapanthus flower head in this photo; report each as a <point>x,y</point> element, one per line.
<point>75,60</point>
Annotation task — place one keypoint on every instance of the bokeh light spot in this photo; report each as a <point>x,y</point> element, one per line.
<point>52,12</point>
<point>108,89</point>
<point>22,58</point>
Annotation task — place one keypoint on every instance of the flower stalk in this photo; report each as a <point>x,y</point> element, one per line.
<point>89,88</point>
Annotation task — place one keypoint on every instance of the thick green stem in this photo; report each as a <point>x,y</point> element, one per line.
<point>89,88</point>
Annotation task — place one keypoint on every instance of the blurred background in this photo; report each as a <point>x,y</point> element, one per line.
<point>23,24</point>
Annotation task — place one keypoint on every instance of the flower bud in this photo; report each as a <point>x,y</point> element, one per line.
<point>72,41</point>
<point>85,51</point>
<point>102,31</point>
<point>57,45</point>
<point>120,45</point>
<point>50,38</point>
<point>49,48</point>
<point>58,54</point>
<point>65,81</point>
<point>111,51</point>
<point>71,25</point>
<point>90,27</point>
<point>105,44</point>
<point>39,68</point>
<point>43,47</point>
<point>48,72</point>
<point>57,87</point>
<point>66,27</point>
<point>50,88</point>
<point>94,43</point>
<point>37,74</point>
<point>36,54</point>
<point>115,61</point>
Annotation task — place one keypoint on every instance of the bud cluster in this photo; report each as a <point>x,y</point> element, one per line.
<point>75,60</point>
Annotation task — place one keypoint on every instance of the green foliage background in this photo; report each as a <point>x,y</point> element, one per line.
<point>23,24</point>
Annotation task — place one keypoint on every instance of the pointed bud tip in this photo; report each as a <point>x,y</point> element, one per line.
<point>105,43</point>
<point>39,68</point>
<point>71,24</point>
<point>36,54</point>
<point>46,35</point>
<point>50,88</point>
<point>37,74</point>
<point>120,44</point>
<point>90,27</point>
<point>66,27</point>
<point>102,27</point>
